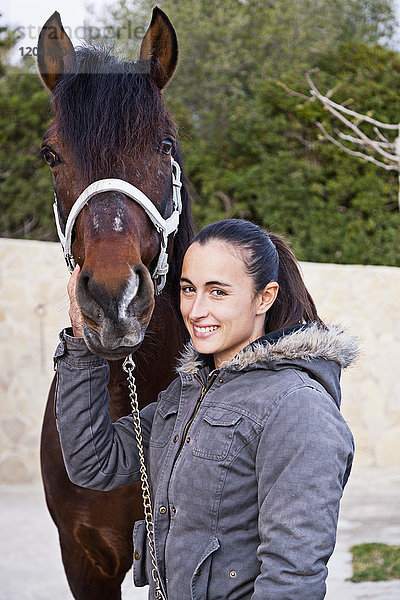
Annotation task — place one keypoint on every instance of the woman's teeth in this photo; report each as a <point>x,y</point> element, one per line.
<point>205,329</point>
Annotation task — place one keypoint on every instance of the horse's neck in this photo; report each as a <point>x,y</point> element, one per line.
<point>155,360</point>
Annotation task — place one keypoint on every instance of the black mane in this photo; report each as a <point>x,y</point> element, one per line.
<point>108,109</point>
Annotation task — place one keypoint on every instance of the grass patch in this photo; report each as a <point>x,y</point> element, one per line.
<point>375,562</point>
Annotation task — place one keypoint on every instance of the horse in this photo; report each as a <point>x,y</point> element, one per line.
<point>110,121</point>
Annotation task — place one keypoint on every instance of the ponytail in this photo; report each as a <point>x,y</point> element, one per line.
<point>293,303</point>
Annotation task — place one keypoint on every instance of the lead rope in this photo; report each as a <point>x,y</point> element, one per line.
<point>129,367</point>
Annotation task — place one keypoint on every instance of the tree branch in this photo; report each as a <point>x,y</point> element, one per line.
<point>365,157</point>
<point>355,140</point>
<point>381,136</point>
<point>297,94</point>
<point>359,133</point>
<point>360,138</point>
<point>327,102</point>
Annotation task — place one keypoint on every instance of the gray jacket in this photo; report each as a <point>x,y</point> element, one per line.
<point>247,463</point>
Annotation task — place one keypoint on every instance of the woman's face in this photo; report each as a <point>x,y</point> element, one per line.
<point>218,304</point>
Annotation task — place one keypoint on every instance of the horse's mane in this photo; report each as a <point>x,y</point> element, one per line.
<point>109,110</point>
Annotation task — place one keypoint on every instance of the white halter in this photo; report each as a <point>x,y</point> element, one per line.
<point>164,226</point>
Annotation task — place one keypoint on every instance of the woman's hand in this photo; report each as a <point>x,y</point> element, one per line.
<point>75,314</point>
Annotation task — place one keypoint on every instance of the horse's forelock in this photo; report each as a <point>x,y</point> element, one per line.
<point>108,110</point>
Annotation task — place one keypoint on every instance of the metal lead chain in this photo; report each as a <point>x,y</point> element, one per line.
<point>129,367</point>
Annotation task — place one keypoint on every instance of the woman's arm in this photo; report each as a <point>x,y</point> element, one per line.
<point>302,464</point>
<point>97,453</point>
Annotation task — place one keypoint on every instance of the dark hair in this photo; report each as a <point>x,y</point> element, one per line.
<point>267,257</point>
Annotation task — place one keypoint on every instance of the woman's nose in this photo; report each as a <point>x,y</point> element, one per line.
<point>199,308</point>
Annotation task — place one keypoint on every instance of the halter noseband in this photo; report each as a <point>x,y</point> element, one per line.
<point>164,226</point>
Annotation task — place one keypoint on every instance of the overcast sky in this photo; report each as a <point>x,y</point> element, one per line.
<point>32,14</point>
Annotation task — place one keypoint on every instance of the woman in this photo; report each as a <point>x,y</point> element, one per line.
<point>247,450</point>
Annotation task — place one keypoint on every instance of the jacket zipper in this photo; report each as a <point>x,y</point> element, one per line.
<point>204,390</point>
<point>196,408</point>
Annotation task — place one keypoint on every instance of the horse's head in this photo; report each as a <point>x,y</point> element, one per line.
<point>111,123</point>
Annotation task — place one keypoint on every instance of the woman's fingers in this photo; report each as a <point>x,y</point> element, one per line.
<point>75,315</point>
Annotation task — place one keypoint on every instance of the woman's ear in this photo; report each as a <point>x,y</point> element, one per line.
<point>267,297</point>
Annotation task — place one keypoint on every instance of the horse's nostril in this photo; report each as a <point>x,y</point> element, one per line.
<point>83,280</point>
<point>92,297</point>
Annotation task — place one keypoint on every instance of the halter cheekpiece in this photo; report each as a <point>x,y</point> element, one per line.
<point>164,226</point>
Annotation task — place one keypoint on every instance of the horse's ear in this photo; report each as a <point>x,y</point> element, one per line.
<point>160,47</point>
<point>55,49</point>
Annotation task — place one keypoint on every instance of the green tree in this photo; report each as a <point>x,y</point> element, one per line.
<point>25,181</point>
<point>253,151</point>
<point>8,39</point>
<point>274,167</point>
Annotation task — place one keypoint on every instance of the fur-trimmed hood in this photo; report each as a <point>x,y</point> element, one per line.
<point>323,352</point>
<point>307,342</point>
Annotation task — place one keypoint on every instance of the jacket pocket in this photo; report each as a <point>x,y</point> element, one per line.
<point>139,554</point>
<point>215,433</point>
<point>163,422</point>
<point>201,575</point>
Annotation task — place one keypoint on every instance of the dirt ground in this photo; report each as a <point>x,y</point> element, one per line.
<point>30,561</point>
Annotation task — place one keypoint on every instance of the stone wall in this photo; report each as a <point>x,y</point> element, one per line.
<point>366,300</point>
<point>34,307</point>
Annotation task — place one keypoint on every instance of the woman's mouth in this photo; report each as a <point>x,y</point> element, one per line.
<point>205,330</point>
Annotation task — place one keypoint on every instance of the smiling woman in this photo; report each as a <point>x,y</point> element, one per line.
<point>219,306</point>
<point>246,448</point>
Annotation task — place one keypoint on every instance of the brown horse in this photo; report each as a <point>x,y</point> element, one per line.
<point>111,122</point>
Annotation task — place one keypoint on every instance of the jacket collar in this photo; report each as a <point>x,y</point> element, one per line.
<point>304,342</point>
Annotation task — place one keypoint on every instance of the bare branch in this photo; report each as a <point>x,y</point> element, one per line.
<point>354,140</point>
<point>333,90</point>
<point>381,136</point>
<point>360,133</point>
<point>379,145</point>
<point>297,94</point>
<point>365,157</point>
<point>327,102</point>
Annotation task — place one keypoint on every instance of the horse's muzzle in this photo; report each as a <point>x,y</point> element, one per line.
<point>111,344</point>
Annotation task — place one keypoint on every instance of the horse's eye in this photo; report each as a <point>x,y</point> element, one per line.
<point>50,157</point>
<point>166,146</point>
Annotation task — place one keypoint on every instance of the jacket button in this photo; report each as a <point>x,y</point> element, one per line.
<point>198,572</point>
<point>232,574</point>
<point>221,380</point>
<point>173,509</point>
<point>188,440</point>
<point>137,555</point>
<point>163,510</point>
<point>176,438</point>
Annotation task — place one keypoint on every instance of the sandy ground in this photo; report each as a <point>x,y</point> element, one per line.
<point>31,568</point>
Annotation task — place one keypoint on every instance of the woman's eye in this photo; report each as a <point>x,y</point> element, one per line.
<point>166,146</point>
<point>50,157</point>
<point>218,293</point>
<point>187,289</point>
